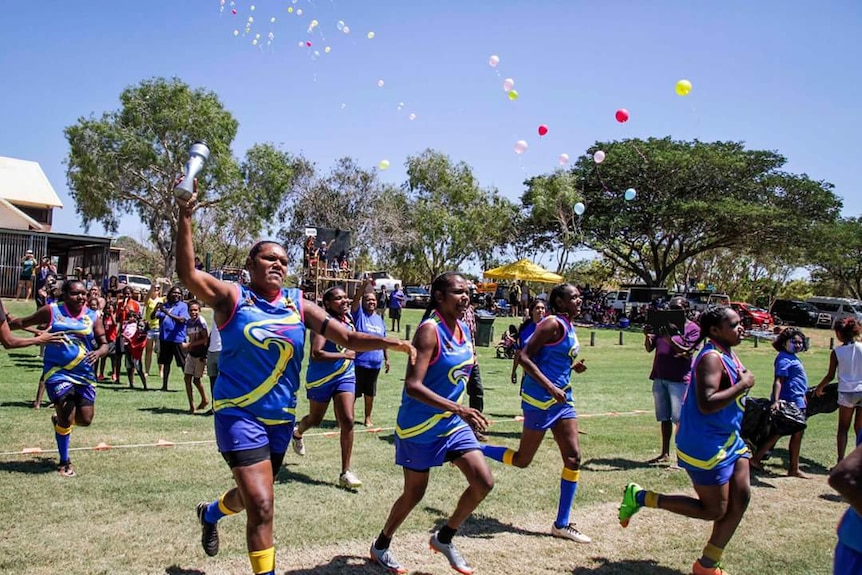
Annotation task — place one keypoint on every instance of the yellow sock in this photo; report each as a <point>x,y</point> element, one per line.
<point>509,456</point>
<point>224,508</point>
<point>62,430</point>
<point>262,561</point>
<point>570,474</point>
<point>712,553</point>
<point>651,499</point>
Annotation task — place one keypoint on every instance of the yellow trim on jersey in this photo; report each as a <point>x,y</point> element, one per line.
<point>82,353</point>
<point>285,354</point>
<point>330,377</point>
<point>456,374</point>
<point>543,405</point>
<point>422,427</point>
<point>715,459</point>
<point>291,411</point>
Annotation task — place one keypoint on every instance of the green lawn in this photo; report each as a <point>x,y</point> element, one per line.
<point>131,508</point>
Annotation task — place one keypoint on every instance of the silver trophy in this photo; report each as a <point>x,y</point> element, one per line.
<point>198,155</point>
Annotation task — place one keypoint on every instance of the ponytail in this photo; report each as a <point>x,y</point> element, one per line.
<point>439,284</point>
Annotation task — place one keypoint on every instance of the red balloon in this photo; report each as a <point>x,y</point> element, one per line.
<point>543,129</point>
<point>622,115</point>
<point>308,44</point>
<point>233,11</point>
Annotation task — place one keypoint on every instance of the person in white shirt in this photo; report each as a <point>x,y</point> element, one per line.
<point>213,353</point>
<point>846,361</point>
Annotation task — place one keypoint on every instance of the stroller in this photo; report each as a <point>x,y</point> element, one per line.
<point>506,346</point>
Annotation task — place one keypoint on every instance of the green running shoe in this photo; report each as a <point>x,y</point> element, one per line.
<point>630,505</point>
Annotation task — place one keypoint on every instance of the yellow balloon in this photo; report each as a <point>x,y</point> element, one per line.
<point>327,49</point>
<point>383,165</point>
<point>513,95</point>
<point>371,35</point>
<point>290,9</point>
<point>683,87</point>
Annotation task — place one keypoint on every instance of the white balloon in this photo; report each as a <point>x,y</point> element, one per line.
<point>380,83</point>
<point>580,208</point>
<point>411,117</point>
<point>508,84</point>
<point>493,61</point>
<point>521,146</point>
<point>564,159</point>
<point>599,157</point>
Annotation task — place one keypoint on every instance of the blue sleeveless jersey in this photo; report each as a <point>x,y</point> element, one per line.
<point>259,365</point>
<point>321,372</point>
<point>65,361</point>
<point>555,360</point>
<point>850,527</point>
<point>447,376</point>
<point>711,441</point>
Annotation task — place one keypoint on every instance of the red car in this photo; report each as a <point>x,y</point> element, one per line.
<point>751,316</point>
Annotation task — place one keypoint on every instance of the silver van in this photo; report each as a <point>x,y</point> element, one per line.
<point>838,307</point>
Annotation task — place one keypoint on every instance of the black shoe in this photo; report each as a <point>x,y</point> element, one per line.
<point>209,531</point>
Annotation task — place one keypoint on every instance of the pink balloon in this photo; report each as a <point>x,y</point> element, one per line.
<point>622,115</point>
<point>508,84</point>
<point>543,129</point>
<point>520,147</point>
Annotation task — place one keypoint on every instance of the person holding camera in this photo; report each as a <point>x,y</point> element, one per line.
<point>674,347</point>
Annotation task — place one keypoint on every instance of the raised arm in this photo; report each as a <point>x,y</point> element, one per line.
<point>216,293</point>
<point>357,297</point>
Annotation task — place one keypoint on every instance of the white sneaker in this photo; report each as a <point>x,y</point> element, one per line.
<point>570,532</point>
<point>298,445</point>
<point>350,480</point>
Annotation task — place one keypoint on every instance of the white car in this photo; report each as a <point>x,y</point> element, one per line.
<point>381,280</point>
<point>140,284</point>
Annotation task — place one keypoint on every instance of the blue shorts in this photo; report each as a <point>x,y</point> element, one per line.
<point>82,394</point>
<point>847,561</point>
<point>715,476</point>
<point>542,420</point>
<point>424,456</point>
<point>667,396</point>
<point>323,393</point>
<point>238,433</point>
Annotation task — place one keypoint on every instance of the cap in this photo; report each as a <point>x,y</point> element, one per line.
<point>29,252</point>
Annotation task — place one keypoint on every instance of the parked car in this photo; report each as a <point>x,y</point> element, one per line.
<point>703,300</point>
<point>227,274</point>
<point>381,280</point>
<point>837,307</point>
<point>794,312</point>
<point>417,296</point>
<point>752,316</point>
<point>140,284</point>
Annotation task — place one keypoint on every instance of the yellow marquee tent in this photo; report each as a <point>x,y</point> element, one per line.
<point>523,270</point>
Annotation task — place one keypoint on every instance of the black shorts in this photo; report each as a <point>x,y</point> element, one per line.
<point>247,457</point>
<point>394,313</point>
<point>169,350</point>
<point>366,381</point>
<point>25,278</point>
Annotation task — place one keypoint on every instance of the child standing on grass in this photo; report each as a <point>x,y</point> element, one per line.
<point>790,385</point>
<point>846,361</point>
<point>196,359</point>
<point>708,443</point>
<point>111,331</point>
<point>134,342</point>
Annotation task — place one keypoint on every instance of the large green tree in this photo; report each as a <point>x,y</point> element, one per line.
<point>126,161</point>
<point>835,258</point>
<point>691,198</point>
<point>451,217</point>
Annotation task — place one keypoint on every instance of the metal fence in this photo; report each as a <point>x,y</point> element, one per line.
<point>13,246</point>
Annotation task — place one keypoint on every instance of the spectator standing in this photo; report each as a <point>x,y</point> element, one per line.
<point>173,315</point>
<point>25,276</point>
<point>127,310</point>
<point>134,335</point>
<point>368,363</point>
<point>671,372</point>
<point>525,298</point>
<point>396,303</point>
<point>89,282</point>
<point>382,300</point>
<point>526,329</point>
<point>46,270</point>
<point>193,370</point>
<point>199,265</point>
<point>151,303</point>
<point>213,354</point>
<point>323,255</point>
<point>475,392</point>
<point>109,320</point>
<point>515,299</point>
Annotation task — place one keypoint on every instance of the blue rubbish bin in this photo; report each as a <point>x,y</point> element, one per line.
<point>624,323</point>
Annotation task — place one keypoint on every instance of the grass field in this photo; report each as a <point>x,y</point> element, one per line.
<point>131,508</point>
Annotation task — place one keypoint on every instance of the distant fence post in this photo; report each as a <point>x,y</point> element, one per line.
<point>407,331</point>
<point>621,338</point>
<point>756,340</point>
<point>592,339</point>
<point>831,343</point>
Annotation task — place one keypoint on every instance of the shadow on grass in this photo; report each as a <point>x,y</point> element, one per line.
<point>483,527</point>
<point>38,466</point>
<point>25,404</point>
<point>165,410</point>
<point>177,570</point>
<point>626,567</point>
<point>833,497</point>
<point>286,475</point>
<point>341,564</point>
<point>617,464</point>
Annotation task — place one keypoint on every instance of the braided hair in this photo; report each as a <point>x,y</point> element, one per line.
<point>439,284</point>
<point>712,318</point>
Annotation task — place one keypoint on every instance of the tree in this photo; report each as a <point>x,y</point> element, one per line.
<point>136,257</point>
<point>836,258</point>
<point>692,197</point>
<point>127,161</point>
<point>451,218</point>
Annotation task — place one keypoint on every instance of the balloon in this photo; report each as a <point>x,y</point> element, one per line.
<point>370,35</point>
<point>683,87</point>
<point>513,95</point>
<point>236,32</point>
<point>251,7</point>
<point>383,165</point>
<point>379,83</point>
<point>233,11</point>
<point>290,9</point>
<point>340,25</point>
<point>543,130</point>
<point>299,11</point>
<point>411,117</point>
<point>346,30</point>
<point>272,20</point>
<point>599,157</point>
<point>493,61</point>
<point>631,194</point>
<point>327,49</point>
<point>564,159</point>
<point>580,208</point>
<point>622,115</point>
<point>508,84</point>
<point>301,44</point>
<point>314,23</point>
<point>521,147</point>
<point>308,44</point>
<point>250,19</point>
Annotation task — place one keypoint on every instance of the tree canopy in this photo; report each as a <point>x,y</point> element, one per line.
<point>127,161</point>
<point>691,198</point>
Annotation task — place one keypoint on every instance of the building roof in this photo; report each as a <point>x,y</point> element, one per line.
<point>24,183</point>
<point>17,214</point>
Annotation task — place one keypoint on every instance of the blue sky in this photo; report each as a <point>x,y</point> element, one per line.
<point>777,75</point>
